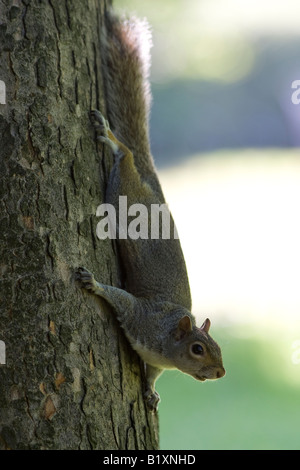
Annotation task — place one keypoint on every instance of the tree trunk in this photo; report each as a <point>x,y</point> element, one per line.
<point>68,378</point>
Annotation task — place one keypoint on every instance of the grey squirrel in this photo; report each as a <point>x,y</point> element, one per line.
<point>154,310</point>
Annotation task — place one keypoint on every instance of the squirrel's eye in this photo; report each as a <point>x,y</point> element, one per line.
<point>197,349</point>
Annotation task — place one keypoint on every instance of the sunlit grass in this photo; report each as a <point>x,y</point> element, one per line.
<point>250,408</point>
<point>237,216</point>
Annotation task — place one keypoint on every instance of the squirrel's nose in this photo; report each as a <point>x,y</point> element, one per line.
<point>220,372</point>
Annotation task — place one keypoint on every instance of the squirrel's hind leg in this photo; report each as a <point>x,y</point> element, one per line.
<point>103,131</point>
<point>151,396</point>
<point>124,154</point>
<point>105,135</point>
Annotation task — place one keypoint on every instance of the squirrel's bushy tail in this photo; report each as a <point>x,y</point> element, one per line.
<point>125,53</point>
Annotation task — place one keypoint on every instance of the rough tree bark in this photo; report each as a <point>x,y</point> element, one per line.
<point>70,380</point>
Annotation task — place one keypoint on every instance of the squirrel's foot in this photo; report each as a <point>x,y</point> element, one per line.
<point>152,399</point>
<point>102,128</point>
<point>86,279</point>
<point>100,123</point>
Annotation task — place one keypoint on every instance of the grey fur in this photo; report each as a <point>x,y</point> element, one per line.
<point>155,308</point>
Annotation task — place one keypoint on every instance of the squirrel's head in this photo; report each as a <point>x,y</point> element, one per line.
<point>195,352</point>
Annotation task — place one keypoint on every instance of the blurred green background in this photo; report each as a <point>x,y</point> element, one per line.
<point>225,137</point>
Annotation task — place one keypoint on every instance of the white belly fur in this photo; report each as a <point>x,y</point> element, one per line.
<point>151,357</point>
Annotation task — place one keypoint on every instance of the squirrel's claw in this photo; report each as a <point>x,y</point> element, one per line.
<point>152,399</point>
<point>99,122</point>
<point>103,131</point>
<point>85,278</point>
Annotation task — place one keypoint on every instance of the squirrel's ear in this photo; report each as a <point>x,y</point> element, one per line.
<point>184,326</point>
<point>205,326</point>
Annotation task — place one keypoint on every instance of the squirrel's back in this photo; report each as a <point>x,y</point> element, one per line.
<point>154,307</point>
<point>153,267</point>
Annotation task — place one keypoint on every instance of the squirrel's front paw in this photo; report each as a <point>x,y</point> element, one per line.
<point>152,399</point>
<point>86,279</point>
